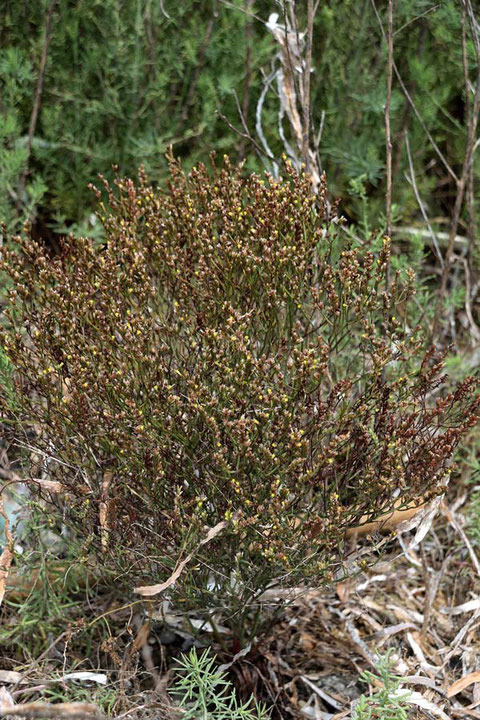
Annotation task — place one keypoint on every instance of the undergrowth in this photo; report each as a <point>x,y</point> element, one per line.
<point>387,701</point>
<point>203,691</point>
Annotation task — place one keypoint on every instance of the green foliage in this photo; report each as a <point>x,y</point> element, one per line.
<point>44,585</point>
<point>6,379</point>
<point>349,85</point>
<point>386,702</point>
<point>125,80</point>
<point>16,90</point>
<point>204,692</point>
<point>227,356</point>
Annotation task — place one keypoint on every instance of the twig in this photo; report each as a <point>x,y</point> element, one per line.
<point>420,203</point>
<point>410,100</point>
<point>388,134</point>
<point>470,149</point>
<point>468,302</point>
<point>468,110</point>
<point>306,88</point>
<point>243,10</point>
<point>247,5</point>
<point>244,134</point>
<point>456,525</point>
<point>442,237</point>
<point>6,556</point>
<point>36,104</point>
<point>150,590</point>
<point>434,8</point>
<point>258,124</point>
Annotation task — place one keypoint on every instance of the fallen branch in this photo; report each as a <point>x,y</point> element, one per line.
<point>48,710</point>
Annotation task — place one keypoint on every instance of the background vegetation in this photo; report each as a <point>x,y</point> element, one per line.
<point>124,80</point>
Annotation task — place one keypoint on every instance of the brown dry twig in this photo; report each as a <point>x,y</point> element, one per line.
<point>72,711</point>
<point>388,133</point>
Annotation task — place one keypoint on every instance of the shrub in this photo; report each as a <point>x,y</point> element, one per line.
<point>226,355</point>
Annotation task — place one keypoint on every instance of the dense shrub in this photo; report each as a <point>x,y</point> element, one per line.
<point>225,355</point>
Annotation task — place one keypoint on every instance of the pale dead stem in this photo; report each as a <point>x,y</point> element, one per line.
<point>150,590</point>
<point>464,183</point>
<point>306,88</point>
<point>7,555</point>
<point>388,133</point>
<point>291,72</point>
<point>246,93</point>
<point>104,510</point>
<point>451,517</point>
<point>421,205</point>
<point>294,87</point>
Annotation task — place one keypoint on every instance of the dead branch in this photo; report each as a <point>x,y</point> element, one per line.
<point>72,711</point>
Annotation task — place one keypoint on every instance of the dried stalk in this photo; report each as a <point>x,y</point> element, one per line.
<point>411,102</point>
<point>306,88</point>
<point>41,710</point>
<point>388,134</point>
<point>471,230</point>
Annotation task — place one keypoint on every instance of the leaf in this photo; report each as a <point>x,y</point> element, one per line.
<point>149,590</point>
<point>10,676</point>
<point>6,700</point>
<point>464,682</point>
<point>100,678</point>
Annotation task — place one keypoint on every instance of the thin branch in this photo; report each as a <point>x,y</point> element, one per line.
<point>388,133</point>
<point>247,4</point>
<point>434,8</point>
<point>258,124</point>
<point>243,10</point>
<point>410,100</point>
<point>41,710</point>
<point>306,87</point>
<point>468,111</point>
<point>244,133</point>
<point>420,203</point>
<point>36,103</point>
<point>470,149</point>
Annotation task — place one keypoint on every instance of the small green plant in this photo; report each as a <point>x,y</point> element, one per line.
<point>47,579</point>
<point>386,702</point>
<point>6,379</point>
<point>204,693</point>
